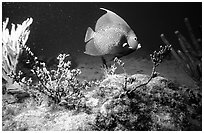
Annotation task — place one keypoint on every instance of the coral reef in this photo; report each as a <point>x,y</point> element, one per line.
<point>55,99</point>
<point>160,105</point>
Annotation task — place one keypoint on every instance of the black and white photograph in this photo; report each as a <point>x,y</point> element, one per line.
<point>101,66</point>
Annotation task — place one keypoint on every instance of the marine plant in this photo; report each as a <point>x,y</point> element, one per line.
<point>156,58</point>
<point>107,71</point>
<point>60,84</point>
<point>13,42</point>
<point>190,57</point>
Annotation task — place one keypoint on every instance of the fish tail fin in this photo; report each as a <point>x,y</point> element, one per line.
<point>89,34</point>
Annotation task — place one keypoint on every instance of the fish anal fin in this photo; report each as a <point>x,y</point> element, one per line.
<point>89,34</point>
<point>110,18</point>
<point>91,49</point>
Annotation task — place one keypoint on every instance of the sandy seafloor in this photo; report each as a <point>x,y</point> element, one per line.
<point>170,69</point>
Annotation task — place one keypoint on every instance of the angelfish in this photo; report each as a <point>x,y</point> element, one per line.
<point>112,35</point>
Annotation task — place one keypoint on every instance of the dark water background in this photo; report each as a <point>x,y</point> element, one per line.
<point>61,27</point>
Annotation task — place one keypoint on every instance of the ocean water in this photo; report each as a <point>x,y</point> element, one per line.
<point>60,27</point>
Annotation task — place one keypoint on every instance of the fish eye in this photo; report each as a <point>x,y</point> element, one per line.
<point>135,38</point>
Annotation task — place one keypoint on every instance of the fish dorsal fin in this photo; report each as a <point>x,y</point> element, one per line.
<point>108,19</point>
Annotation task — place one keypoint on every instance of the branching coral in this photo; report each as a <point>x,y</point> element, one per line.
<point>12,44</point>
<point>156,58</point>
<point>60,85</point>
<point>191,54</point>
<point>109,70</point>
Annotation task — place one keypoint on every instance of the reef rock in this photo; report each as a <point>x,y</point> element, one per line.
<point>159,105</point>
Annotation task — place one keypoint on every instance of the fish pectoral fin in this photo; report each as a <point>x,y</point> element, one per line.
<point>139,46</point>
<point>125,44</point>
<point>91,49</point>
<point>89,34</point>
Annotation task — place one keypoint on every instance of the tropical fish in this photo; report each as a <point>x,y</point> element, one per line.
<point>112,36</point>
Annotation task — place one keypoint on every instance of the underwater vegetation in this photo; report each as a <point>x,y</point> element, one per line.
<point>12,43</point>
<point>55,99</point>
<point>190,57</point>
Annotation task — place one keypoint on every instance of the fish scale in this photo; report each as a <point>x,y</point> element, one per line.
<point>106,41</point>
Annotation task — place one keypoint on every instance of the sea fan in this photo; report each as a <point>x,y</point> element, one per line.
<point>12,46</point>
<point>191,55</point>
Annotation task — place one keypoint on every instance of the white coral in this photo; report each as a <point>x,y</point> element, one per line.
<point>12,44</point>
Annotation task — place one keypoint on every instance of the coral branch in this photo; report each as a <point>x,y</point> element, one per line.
<point>156,58</point>
<point>190,56</point>
<point>12,44</point>
<point>193,38</point>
